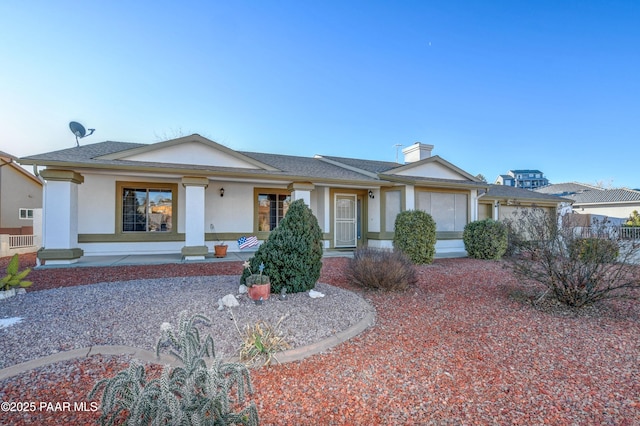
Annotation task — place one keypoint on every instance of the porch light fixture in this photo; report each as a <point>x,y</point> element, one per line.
<point>371,194</point>
<point>222,192</point>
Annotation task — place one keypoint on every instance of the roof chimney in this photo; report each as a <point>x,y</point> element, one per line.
<point>416,152</point>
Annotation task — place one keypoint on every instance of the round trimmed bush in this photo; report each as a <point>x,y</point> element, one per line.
<point>292,255</point>
<point>485,239</point>
<point>415,235</point>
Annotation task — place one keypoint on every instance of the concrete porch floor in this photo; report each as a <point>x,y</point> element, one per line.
<point>155,259</point>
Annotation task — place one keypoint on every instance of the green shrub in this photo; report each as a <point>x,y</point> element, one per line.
<point>594,250</point>
<point>191,394</point>
<point>634,219</point>
<point>14,277</point>
<point>415,236</point>
<point>292,255</point>
<point>485,239</point>
<point>381,269</point>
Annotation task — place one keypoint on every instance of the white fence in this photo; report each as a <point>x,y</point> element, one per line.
<point>12,244</point>
<point>629,233</point>
<point>20,241</point>
<point>613,232</point>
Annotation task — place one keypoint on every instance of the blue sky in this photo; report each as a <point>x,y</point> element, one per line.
<point>493,85</point>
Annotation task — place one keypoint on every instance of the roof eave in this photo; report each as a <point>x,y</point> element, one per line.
<point>202,172</point>
<point>441,184</point>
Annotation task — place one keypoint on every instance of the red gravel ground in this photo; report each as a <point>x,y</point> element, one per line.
<point>465,346</point>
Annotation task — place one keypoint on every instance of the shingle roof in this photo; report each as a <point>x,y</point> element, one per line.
<point>620,195</point>
<point>8,156</point>
<point>84,153</point>
<point>372,166</point>
<point>306,166</point>
<point>587,194</point>
<point>566,188</point>
<point>319,168</point>
<point>287,165</point>
<point>506,191</point>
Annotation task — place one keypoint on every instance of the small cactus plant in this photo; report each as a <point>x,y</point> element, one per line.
<point>14,277</point>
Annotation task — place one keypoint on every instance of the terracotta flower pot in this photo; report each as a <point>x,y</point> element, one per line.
<point>220,250</point>
<point>257,291</point>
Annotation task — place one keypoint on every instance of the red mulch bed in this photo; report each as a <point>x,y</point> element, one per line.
<point>464,346</point>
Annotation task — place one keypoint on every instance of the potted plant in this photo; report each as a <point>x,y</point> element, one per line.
<point>219,249</point>
<point>13,281</point>
<point>258,285</point>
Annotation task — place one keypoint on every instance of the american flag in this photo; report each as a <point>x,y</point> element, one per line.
<point>244,242</point>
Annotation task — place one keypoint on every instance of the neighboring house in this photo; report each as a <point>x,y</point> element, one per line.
<point>616,203</point>
<point>526,179</point>
<point>20,195</point>
<point>500,202</point>
<point>184,194</point>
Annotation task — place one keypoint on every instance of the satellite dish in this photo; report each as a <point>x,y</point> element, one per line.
<point>79,130</point>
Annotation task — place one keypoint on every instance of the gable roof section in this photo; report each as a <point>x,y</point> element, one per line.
<point>432,171</point>
<point>192,150</point>
<point>8,160</point>
<point>429,163</point>
<point>443,169</point>
<point>395,172</point>
<point>279,167</point>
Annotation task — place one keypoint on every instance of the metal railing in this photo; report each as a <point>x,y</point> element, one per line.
<point>20,241</point>
<point>629,233</point>
<point>612,232</point>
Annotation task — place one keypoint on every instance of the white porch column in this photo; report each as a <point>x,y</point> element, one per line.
<point>474,205</point>
<point>410,197</point>
<point>194,248</point>
<point>301,190</point>
<point>60,211</point>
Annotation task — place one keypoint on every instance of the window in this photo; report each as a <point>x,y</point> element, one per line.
<point>26,214</point>
<point>271,210</point>
<point>449,211</point>
<point>147,209</point>
<point>393,206</point>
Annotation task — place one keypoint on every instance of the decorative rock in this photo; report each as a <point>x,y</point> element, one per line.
<point>242,289</point>
<point>6,322</point>
<point>315,294</point>
<point>230,301</point>
<point>5,294</point>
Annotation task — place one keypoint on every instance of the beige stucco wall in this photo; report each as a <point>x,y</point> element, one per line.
<point>619,211</point>
<point>17,191</point>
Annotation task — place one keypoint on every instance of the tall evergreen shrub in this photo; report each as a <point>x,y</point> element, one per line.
<point>415,235</point>
<point>292,255</point>
<point>485,239</point>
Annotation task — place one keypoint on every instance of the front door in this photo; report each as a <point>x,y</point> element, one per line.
<point>346,221</point>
